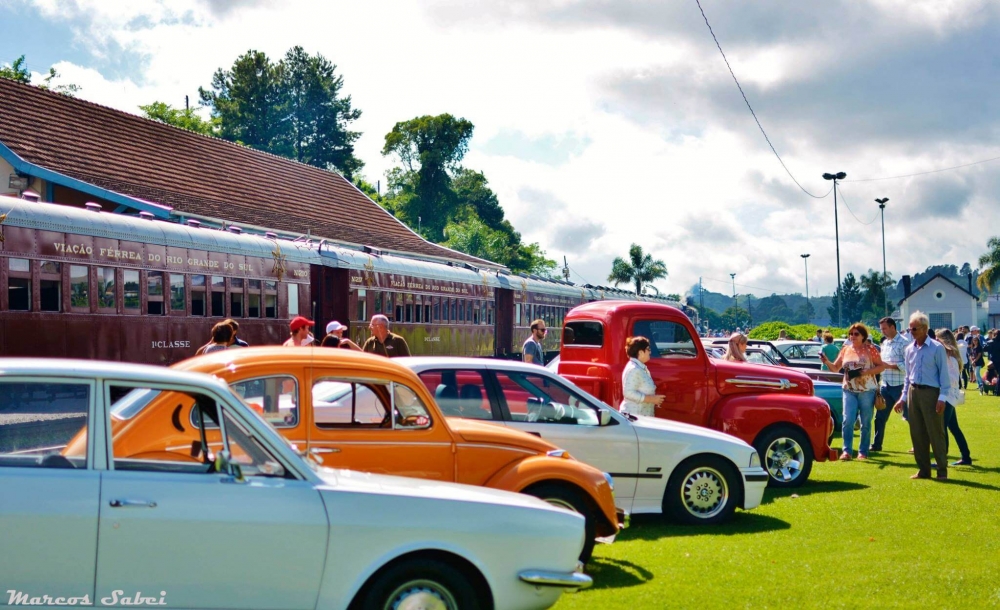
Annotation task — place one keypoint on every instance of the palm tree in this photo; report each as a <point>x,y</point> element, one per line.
<point>990,265</point>
<point>639,268</point>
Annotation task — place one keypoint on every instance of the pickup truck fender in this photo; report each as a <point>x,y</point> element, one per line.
<point>530,471</point>
<point>746,416</point>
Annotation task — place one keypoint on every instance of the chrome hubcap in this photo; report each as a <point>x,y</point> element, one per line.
<point>421,595</point>
<point>784,459</point>
<point>705,492</point>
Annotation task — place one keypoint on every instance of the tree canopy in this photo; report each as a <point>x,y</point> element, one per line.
<point>185,119</point>
<point>18,71</point>
<point>640,268</point>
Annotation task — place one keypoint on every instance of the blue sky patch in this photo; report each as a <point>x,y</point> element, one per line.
<point>549,149</point>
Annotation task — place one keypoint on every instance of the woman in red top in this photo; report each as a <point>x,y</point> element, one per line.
<point>860,363</point>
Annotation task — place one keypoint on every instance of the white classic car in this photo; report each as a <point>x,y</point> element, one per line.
<point>695,475</point>
<point>239,519</point>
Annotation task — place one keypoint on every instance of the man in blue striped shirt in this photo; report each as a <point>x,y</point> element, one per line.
<point>926,377</point>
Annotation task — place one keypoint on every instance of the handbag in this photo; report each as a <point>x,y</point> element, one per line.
<point>880,401</point>
<point>959,401</point>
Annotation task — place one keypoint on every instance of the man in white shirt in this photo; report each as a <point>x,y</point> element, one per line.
<point>893,354</point>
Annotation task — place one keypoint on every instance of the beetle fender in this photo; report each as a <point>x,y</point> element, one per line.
<point>745,416</point>
<point>545,469</point>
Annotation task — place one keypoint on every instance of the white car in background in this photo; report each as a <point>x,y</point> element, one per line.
<point>238,519</point>
<point>695,475</point>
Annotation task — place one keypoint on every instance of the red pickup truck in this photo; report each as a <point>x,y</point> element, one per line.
<point>772,409</point>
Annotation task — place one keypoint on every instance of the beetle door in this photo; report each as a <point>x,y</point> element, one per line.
<point>48,495</point>
<point>678,367</point>
<point>173,528</point>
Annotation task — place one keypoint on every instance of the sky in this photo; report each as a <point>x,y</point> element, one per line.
<point>602,123</point>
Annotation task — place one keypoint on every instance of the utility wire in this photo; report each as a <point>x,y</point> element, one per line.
<point>933,171</point>
<point>761,127</point>
<point>730,283</point>
<point>842,198</point>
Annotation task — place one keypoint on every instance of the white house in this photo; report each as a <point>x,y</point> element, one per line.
<point>947,304</point>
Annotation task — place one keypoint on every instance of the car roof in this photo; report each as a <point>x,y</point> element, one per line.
<point>423,363</point>
<point>91,369</point>
<point>794,342</point>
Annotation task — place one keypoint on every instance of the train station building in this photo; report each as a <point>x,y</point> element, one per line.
<point>69,151</point>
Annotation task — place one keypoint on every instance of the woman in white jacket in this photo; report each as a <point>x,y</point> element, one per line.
<point>951,398</point>
<point>637,384</point>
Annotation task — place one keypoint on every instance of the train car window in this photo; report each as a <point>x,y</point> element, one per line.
<point>19,284</point>
<point>106,288</point>
<point>427,313</point>
<point>198,295</point>
<point>178,303</point>
<point>409,312</point>
<point>50,285</point>
<point>399,314</point>
<point>363,305</point>
<point>293,300</point>
<point>468,311</point>
<point>454,311</point>
<point>236,297</point>
<point>378,302</point>
<point>253,298</point>
<point>437,310</point>
<point>218,298</point>
<point>418,312</point>
<point>270,299</point>
<point>517,314</point>
<point>79,287</point>
<point>130,283</point>
<point>154,293</point>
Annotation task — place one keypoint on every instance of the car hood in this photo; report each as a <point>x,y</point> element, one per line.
<point>472,431</point>
<point>646,425</point>
<point>353,481</point>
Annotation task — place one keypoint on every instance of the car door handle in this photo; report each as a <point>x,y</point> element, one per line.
<point>538,434</point>
<point>318,450</point>
<point>132,504</point>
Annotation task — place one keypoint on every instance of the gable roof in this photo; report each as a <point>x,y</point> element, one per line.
<point>937,275</point>
<point>146,164</point>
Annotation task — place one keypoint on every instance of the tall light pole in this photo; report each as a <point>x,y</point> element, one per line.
<point>736,304</point>
<point>805,259</point>
<point>836,229</point>
<point>881,206</point>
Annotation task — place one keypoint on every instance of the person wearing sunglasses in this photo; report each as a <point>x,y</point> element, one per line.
<point>861,362</point>
<point>926,378</point>
<point>532,351</point>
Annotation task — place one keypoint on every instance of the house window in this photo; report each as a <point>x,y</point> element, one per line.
<point>940,320</point>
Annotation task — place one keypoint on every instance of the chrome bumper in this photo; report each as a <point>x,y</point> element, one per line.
<point>543,578</point>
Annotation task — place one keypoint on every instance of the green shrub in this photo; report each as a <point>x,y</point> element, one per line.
<point>769,331</point>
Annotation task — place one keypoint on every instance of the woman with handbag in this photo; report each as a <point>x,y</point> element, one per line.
<point>861,363</point>
<point>976,358</point>
<point>954,396</point>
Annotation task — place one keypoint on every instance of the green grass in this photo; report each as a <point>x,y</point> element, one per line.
<point>856,535</point>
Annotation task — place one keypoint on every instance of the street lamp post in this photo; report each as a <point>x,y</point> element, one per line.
<point>805,259</point>
<point>736,304</point>
<point>836,229</point>
<point>881,206</point>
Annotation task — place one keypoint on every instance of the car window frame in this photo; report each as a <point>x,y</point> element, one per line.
<point>298,392</point>
<point>490,386</point>
<point>92,413</point>
<point>389,384</point>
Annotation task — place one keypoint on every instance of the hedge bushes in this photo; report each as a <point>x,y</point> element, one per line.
<point>769,331</point>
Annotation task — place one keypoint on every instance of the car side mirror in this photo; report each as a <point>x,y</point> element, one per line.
<point>605,417</point>
<point>224,463</point>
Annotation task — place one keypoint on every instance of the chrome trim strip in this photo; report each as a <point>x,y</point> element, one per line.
<point>545,578</point>
<point>756,382</point>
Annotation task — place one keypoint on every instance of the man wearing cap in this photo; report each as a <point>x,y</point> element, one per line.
<point>383,342</point>
<point>300,332</point>
<point>337,329</point>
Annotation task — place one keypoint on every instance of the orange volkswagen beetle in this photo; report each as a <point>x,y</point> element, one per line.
<point>364,412</point>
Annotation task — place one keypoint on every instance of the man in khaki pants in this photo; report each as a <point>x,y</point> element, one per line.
<point>926,377</point>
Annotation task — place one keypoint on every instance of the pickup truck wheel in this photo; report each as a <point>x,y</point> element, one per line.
<point>703,490</point>
<point>786,455</point>
<point>429,584</point>
<point>560,495</point>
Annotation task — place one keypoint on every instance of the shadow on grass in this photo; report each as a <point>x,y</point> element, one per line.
<point>654,527</point>
<point>952,471</point>
<point>611,573</point>
<point>810,488</point>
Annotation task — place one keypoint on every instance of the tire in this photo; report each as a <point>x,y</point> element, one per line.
<point>423,583</point>
<point>567,497</point>
<point>703,490</point>
<point>786,455</point>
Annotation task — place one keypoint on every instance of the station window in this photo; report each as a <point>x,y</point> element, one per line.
<point>236,297</point>
<point>19,284</point>
<point>218,296</point>
<point>198,295</point>
<point>130,283</point>
<point>154,293</point>
<point>50,286</point>
<point>362,305</point>
<point>270,299</point>
<point>105,288</point>
<point>293,300</point>
<point>253,298</point>
<point>178,303</point>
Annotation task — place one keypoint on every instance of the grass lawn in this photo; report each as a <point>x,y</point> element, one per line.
<point>856,535</point>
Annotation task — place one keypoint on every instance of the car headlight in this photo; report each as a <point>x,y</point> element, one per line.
<point>754,459</point>
<point>611,481</point>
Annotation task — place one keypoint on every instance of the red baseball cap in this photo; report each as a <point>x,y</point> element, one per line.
<point>300,322</point>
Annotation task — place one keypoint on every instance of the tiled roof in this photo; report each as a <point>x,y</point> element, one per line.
<point>195,174</point>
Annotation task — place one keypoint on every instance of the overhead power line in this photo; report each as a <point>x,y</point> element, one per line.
<point>759,126</point>
<point>844,200</point>
<point>932,171</point>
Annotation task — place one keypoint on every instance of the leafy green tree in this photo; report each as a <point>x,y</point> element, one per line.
<point>804,313</point>
<point>17,71</point>
<point>185,119</point>
<point>851,295</point>
<point>640,268</point>
<point>772,308</point>
<point>474,237</point>
<point>735,317</point>
<point>875,302</point>
<point>247,101</point>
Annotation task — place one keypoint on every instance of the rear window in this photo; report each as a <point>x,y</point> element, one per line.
<point>583,333</point>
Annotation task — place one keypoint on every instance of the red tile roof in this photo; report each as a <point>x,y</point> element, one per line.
<point>195,174</point>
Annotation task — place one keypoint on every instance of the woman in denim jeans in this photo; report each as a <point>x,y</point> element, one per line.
<point>861,363</point>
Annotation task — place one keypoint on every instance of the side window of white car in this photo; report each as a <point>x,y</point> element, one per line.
<point>459,393</point>
<point>43,424</point>
<point>540,399</point>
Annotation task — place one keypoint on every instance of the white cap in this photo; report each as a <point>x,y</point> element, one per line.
<point>334,326</point>
<point>974,328</point>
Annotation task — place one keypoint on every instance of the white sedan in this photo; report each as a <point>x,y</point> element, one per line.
<point>693,474</point>
<point>237,518</point>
